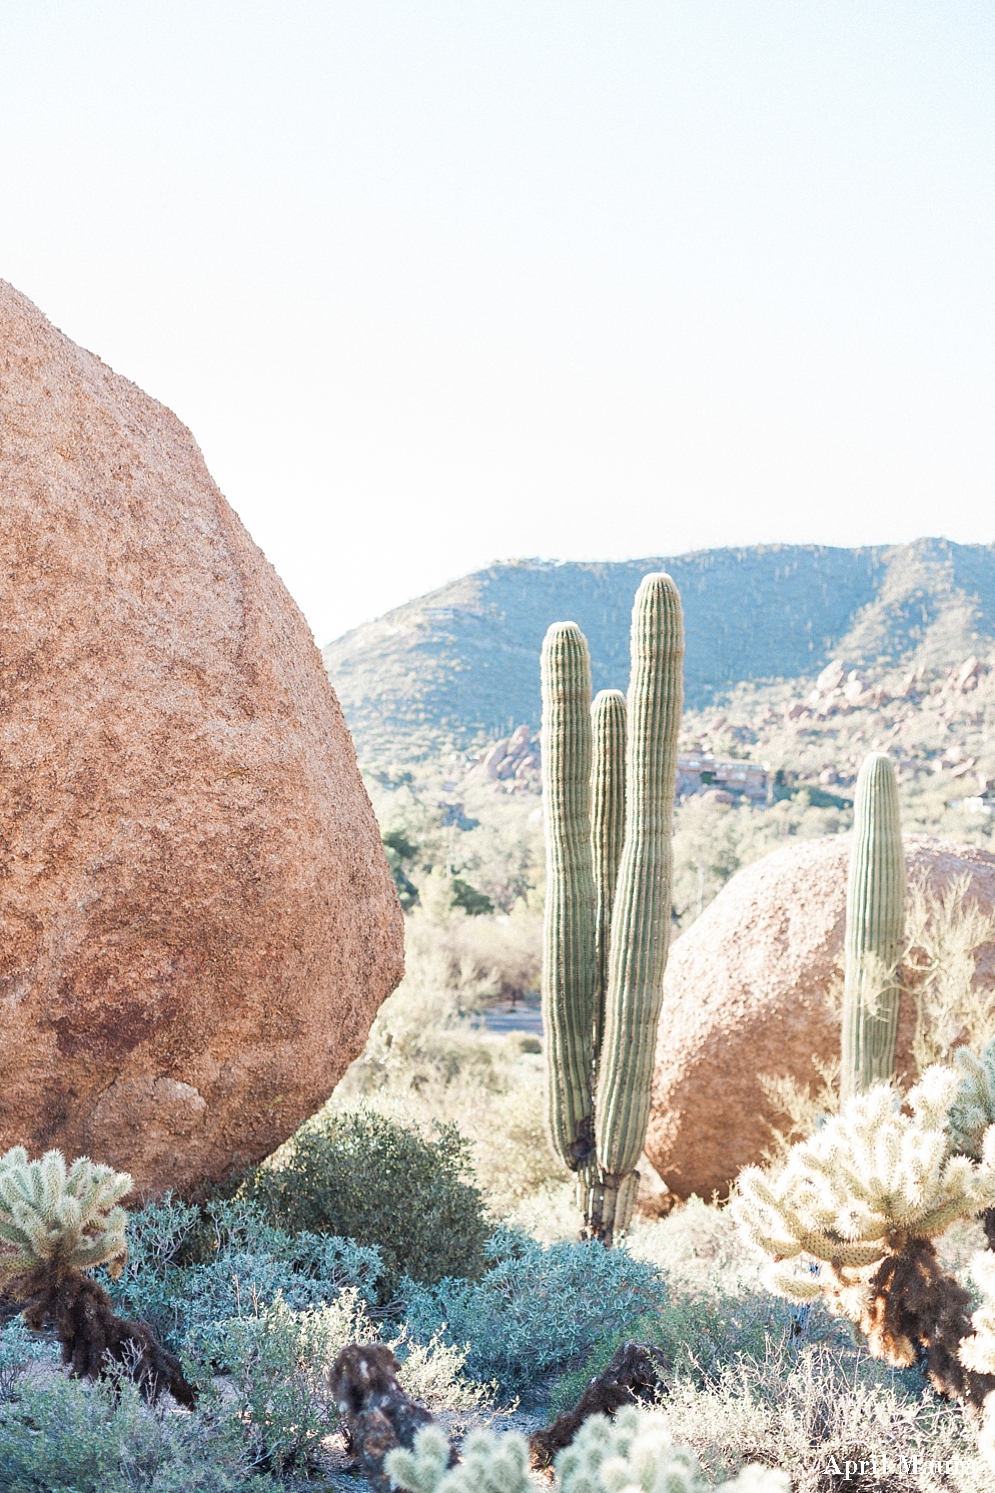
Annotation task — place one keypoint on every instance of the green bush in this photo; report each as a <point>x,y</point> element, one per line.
<point>73,1437</point>
<point>698,1336</point>
<point>18,1349</point>
<point>275,1357</point>
<point>537,1309</point>
<point>239,1264</point>
<point>366,1177</point>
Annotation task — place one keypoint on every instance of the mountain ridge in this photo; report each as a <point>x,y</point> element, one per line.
<point>461,664</point>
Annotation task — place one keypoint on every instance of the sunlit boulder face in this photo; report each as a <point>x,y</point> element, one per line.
<point>748,993</point>
<point>197,921</point>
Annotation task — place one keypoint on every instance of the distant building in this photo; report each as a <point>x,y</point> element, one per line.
<point>512,764</point>
<point>699,771</point>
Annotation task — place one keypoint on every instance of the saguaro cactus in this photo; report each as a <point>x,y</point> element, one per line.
<point>608,895</point>
<point>607,831</point>
<point>875,925</point>
<point>640,932</point>
<point>569,952</point>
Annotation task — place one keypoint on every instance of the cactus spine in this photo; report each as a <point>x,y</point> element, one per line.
<point>640,931</point>
<point>875,923</point>
<point>607,830</point>
<point>569,949</point>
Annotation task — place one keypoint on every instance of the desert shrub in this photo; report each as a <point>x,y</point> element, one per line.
<point>20,1348</point>
<point>799,1409</point>
<point>366,1177</point>
<point>945,932</point>
<point>536,1309</point>
<point>433,1372</point>
<point>276,1356</point>
<point>699,1335</point>
<point>71,1437</point>
<point>699,1249</point>
<point>241,1263</point>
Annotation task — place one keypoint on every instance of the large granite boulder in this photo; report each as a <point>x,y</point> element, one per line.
<point>746,993</point>
<point>197,921</point>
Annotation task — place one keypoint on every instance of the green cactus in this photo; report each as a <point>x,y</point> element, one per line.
<point>632,1453</point>
<point>608,896</point>
<point>875,924</point>
<point>569,950</point>
<point>607,830</point>
<point>640,932</point>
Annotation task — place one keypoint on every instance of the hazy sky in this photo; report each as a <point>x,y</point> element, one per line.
<point>435,284</point>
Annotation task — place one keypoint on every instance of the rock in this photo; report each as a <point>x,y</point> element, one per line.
<point>966,677</point>
<point>746,993</point>
<point>197,921</point>
<point>831,677</point>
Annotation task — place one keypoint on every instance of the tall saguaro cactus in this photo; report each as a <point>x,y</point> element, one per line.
<point>607,830</point>
<point>875,914</point>
<point>608,894</point>
<point>569,951</point>
<point>640,933</point>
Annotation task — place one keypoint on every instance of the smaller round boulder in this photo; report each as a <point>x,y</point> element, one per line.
<point>748,993</point>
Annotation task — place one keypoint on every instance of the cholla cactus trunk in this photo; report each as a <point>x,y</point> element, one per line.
<point>569,961</point>
<point>640,931</point>
<point>607,829</point>
<point>56,1224</point>
<point>875,925</point>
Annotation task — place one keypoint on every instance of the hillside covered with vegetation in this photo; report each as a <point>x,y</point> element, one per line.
<point>461,665</point>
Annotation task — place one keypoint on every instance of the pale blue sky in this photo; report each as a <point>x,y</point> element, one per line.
<point>439,283</point>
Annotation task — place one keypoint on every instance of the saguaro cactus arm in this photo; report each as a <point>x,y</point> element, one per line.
<point>569,963</point>
<point>875,923</point>
<point>607,830</point>
<point>640,929</point>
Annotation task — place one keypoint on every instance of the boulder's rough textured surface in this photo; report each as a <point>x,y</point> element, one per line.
<point>197,922</point>
<point>747,993</point>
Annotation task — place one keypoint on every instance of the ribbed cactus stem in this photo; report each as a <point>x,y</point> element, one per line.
<point>640,930</point>
<point>569,962</point>
<point>607,830</point>
<point>875,929</point>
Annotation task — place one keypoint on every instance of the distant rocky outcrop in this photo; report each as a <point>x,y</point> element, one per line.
<point>512,764</point>
<point>197,919</point>
<point>746,995</point>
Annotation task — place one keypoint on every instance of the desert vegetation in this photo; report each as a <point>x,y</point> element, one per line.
<point>417,1263</point>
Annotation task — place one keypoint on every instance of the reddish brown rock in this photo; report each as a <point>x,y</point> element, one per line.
<point>197,922</point>
<point>746,994</point>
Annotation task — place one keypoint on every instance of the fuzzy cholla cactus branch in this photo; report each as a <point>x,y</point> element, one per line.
<point>973,1109</point>
<point>56,1217</point>
<point>490,1464</point>
<point>978,1350</point>
<point>634,1453</point>
<point>873,1178</point>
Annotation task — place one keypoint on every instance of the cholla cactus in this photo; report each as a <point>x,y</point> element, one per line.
<point>634,1453</point>
<point>977,1352</point>
<point>57,1223</point>
<point>56,1217</point>
<point>490,1464</point>
<point>855,1210</point>
<point>871,1178</point>
<point>973,1109</point>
